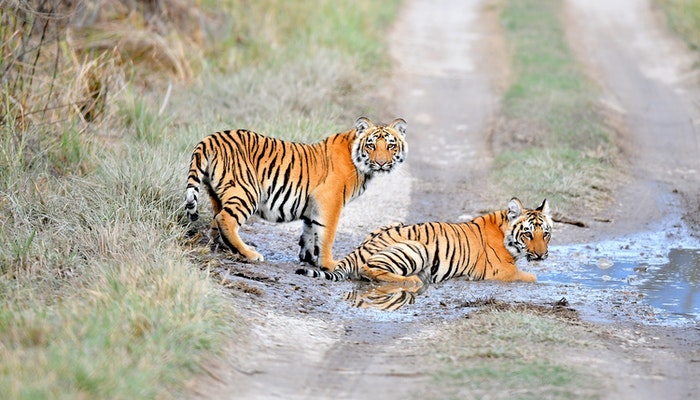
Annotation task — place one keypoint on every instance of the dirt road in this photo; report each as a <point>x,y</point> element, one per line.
<point>650,84</point>
<point>304,341</point>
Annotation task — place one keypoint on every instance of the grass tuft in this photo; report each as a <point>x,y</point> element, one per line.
<point>102,297</point>
<point>683,16</point>
<point>552,141</point>
<point>508,354</point>
<point>142,120</point>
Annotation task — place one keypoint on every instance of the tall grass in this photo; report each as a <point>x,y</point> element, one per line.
<point>294,70</point>
<point>99,294</point>
<point>684,17</point>
<point>552,141</point>
<point>99,299</point>
<point>275,31</point>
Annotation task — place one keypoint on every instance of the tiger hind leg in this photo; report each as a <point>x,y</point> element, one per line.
<point>227,231</point>
<point>405,263</point>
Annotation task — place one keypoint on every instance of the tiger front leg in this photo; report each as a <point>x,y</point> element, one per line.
<point>525,276</point>
<point>316,244</point>
<point>308,242</point>
<point>510,272</point>
<point>318,235</point>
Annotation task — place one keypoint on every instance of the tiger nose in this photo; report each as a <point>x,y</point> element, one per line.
<point>381,162</point>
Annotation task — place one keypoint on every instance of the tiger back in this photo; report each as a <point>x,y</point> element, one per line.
<point>485,248</point>
<point>246,173</point>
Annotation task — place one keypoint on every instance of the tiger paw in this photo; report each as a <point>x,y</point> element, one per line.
<point>308,257</point>
<point>254,256</point>
<point>329,265</point>
<point>526,277</point>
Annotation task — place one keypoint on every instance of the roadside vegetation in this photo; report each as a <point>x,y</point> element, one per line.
<point>101,104</point>
<point>683,17</point>
<point>508,351</point>
<point>552,139</point>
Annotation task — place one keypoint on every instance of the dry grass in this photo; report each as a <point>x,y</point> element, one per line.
<point>67,59</point>
<point>308,99</point>
<point>96,291</point>
<point>102,103</point>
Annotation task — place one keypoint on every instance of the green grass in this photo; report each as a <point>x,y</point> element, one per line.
<point>99,299</point>
<point>271,32</point>
<point>562,175</point>
<point>307,99</point>
<point>141,120</point>
<point>552,141</point>
<point>516,380</point>
<point>508,355</point>
<point>301,70</point>
<point>684,18</point>
<point>100,296</point>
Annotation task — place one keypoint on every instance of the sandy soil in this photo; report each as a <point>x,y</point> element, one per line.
<point>304,341</point>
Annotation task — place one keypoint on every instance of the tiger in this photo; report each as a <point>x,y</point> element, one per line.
<point>246,173</point>
<point>486,247</point>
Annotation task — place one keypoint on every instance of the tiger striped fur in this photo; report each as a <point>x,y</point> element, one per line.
<point>246,173</point>
<point>485,248</point>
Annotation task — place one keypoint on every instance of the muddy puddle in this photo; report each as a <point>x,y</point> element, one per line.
<point>659,269</point>
<point>671,284</point>
<point>651,277</point>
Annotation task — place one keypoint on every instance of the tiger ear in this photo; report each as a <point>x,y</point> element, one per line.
<point>362,124</point>
<point>544,207</point>
<point>515,209</point>
<point>400,125</point>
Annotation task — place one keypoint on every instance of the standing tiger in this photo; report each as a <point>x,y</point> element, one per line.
<point>485,248</point>
<point>246,173</point>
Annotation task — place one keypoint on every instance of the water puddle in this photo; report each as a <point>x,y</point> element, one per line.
<point>652,277</point>
<point>668,279</point>
<point>659,269</point>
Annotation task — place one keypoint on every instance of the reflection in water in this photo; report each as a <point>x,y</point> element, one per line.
<point>387,297</point>
<point>675,285</point>
<point>671,286</point>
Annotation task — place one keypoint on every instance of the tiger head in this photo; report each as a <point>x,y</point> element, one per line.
<point>528,231</point>
<point>379,148</point>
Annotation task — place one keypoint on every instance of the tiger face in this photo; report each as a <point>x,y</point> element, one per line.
<point>530,231</point>
<point>379,148</point>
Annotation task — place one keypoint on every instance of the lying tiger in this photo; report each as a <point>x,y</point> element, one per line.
<point>246,173</point>
<point>485,248</point>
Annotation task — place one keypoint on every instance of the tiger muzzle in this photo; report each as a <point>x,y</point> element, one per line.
<point>537,256</point>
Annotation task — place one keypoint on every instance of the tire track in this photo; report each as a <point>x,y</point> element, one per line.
<point>449,63</point>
